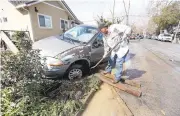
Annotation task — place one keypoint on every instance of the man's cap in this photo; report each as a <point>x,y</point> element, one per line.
<point>102,25</point>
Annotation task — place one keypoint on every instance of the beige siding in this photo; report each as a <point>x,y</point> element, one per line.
<point>45,9</point>
<point>16,19</point>
<point>55,3</point>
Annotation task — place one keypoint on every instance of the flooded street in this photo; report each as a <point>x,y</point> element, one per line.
<point>156,66</point>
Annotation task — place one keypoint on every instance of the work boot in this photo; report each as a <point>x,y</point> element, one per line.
<point>122,80</point>
<point>117,81</point>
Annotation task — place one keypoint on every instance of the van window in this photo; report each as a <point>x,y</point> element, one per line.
<point>98,42</point>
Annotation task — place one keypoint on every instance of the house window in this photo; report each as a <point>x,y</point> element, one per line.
<point>5,19</point>
<point>45,21</point>
<point>64,24</point>
<point>73,24</point>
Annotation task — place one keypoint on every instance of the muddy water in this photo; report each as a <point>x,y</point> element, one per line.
<point>104,103</point>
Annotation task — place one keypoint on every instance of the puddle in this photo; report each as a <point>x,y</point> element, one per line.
<point>104,103</point>
<point>177,68</point>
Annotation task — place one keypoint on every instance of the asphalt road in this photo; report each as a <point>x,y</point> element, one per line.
<point>156,65</point>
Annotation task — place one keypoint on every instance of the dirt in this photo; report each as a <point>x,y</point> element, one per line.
<point>105,103</point>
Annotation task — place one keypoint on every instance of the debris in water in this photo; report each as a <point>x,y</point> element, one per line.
<point>171,60</point>
<point>162,111</point>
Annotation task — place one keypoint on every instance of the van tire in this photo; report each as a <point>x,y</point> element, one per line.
<point>75,72</point>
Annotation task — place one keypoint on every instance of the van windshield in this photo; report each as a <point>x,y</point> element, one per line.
<point>81,33</point>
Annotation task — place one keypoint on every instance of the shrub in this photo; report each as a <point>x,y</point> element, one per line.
<point>24,65</point>
<point>21,75</point>
<point>25,92</point>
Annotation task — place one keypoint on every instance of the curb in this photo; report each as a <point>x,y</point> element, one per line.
<point>128,112</point>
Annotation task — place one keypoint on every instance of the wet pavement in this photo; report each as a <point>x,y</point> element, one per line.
<point>156,65</point>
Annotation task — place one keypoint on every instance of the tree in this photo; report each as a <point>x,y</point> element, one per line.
<point>168,17</point>
<point>134,28</point>
<point>154,7</point>
<point>175,36</point>
<point>151,26</point>
<point>127,12</point>
<point>100,19</point>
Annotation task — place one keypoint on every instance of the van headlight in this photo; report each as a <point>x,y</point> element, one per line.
<point>53,62</point>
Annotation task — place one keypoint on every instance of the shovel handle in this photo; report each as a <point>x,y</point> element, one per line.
<point>107,53</point>
<point>97,63</point>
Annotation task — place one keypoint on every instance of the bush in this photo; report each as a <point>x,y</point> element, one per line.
<point>25,92</point>
<point>21,75</point>
<point>24,65</point>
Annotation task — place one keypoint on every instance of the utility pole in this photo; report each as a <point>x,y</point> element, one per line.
<point>113,12</point>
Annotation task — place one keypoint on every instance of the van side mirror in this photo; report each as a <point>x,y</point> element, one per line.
<point>95,44</point>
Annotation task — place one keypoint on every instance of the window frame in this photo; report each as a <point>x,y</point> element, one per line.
<point>1,21</point>
<point>45,16</point>
<point>96,40</point>
<point>61,24</point>
<point>5,20</point>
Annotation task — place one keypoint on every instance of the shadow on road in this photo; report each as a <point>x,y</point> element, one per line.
<point>129,56</point>
<point>133,73</point>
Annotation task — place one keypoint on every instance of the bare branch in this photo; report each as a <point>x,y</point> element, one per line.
<point>125,7</point>
<point>129,7</point>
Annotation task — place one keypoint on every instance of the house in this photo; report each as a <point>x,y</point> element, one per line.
<point>40,18</point>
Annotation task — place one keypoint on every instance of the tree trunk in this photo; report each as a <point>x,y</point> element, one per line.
<point>176,40</point>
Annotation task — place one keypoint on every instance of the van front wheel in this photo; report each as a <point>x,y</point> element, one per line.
<point>75,72</point>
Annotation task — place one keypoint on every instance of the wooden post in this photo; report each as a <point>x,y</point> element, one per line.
<point>129,82</point>
<point>121,87</point>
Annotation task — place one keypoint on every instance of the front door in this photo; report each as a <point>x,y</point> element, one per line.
<point>97,48</point>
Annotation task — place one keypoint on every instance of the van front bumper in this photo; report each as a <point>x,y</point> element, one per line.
<point>56,72</point>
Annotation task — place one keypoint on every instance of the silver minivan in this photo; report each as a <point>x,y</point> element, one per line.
<point>72,53</point>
